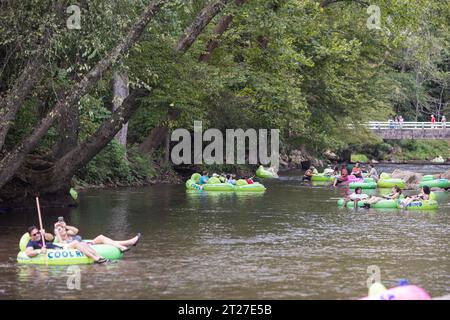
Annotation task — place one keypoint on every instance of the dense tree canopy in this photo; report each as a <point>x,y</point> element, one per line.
<point>306,67</point>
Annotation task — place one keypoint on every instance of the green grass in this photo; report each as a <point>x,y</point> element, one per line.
<point>423,150</point>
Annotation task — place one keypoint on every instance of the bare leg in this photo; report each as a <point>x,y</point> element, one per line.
<point>374,200</point>
<point>407,201</point>
<point>85,249</point>
<point>346,200</point>
<point>101,239</point>
<point>128,242</point>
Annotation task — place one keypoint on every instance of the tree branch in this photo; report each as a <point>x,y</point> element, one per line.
<point>12,161</point>
<point>84,152</point>
<point>221,27</point>
<point>200,22</point>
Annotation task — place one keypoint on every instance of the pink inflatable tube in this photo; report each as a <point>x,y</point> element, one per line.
<point>352,178</point>
<point>408,292</point>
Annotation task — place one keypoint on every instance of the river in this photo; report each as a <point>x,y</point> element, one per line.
<point>290,243</point>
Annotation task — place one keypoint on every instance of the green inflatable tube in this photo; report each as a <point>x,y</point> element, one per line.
<point>241,186</point>
<point>322,177</point>
<point>263,173</point>
<point>389,183</point>
<point>423,205</point>
<point>255,187</point>
<point>73,194</point>
<point>196,177</point>
<point>192,185</point>
<point>382,204</point>
<point>428,177</point>
<point>364,185</point>
<point>218,187</point>
<point>439,183</point>
<point>65,256</point>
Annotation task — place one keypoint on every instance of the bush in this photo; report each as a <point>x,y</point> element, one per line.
<point>111,166</point>
<point>359,158</point>
<point>422,150</point>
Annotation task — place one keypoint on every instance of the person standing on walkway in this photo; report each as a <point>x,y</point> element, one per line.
<point>433,121</point>
<point>444,122</point>
<point>391,123</point>
<point>400,119</point>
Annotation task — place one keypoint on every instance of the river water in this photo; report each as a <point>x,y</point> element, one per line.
<point>290,243</point>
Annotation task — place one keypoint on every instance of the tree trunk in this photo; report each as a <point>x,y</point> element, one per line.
<point>54,179</point>
<point>221,27</point>
<point>11,103</point>
<point>154,139</point>
<point>200,22</point>
<point>157,135</point>
<point>167,148</point>
<point>14,159</point>
<point>65,168</point>
<point>68,129</point>
<point>120,93</point>
<point>82,154</point>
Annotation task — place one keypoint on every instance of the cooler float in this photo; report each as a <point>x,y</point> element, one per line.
<point>65,256</point>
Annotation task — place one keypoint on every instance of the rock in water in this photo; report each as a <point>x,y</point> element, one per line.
<point>446,175</point>
<point>411,179</point>
<point>438,160</point>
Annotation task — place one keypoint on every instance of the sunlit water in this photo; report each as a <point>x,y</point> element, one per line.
<point>290,243</point>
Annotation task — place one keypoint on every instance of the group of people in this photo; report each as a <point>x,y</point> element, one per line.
<point>361,172</point>
<point>396,194</point>
<point>67,238</point>
<point>223,178</point>
<point>358,171</point>
<point>433,121</point>
<point>397,122</point>
<point>341,175</point>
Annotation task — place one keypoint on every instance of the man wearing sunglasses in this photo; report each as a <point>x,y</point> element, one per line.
<point>35,245</point>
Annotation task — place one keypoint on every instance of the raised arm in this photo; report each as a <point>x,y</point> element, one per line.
<point>71,231</point>
<point>57,235</point>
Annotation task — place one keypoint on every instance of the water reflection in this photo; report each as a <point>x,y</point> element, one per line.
<point>290,242</point>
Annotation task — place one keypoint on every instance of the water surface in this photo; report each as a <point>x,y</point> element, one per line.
<point>290,243</point>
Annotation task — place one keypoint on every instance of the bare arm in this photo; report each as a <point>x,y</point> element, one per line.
<point>31,252</point>
<point>71,231</point>
<point>58,236</point>
<point>49,237</point>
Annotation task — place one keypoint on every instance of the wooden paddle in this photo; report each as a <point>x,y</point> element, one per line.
<point>40,220</point>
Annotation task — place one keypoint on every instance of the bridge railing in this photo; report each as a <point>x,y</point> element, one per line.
<point>387,125</point>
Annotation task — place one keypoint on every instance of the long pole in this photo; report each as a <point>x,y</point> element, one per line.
<point>40,220</point>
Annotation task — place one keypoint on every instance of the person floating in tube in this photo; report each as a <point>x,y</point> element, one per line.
<point>355,197</point>
<point>35,246</point>
<point>309,173</point>
<point>373,173</point>
<point>423,195</point>
<point>395,194</point>
<point>343,177</point>
<point>68,234</point>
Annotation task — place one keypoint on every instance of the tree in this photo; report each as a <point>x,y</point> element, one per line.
<point>14,159</point>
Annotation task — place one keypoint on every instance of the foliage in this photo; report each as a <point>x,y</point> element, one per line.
<point>421,150</point>
<point>113,166</point>
<point>359,158</point>
<point>292,65</point>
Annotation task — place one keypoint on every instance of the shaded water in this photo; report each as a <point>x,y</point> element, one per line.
<point>290,243</point>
